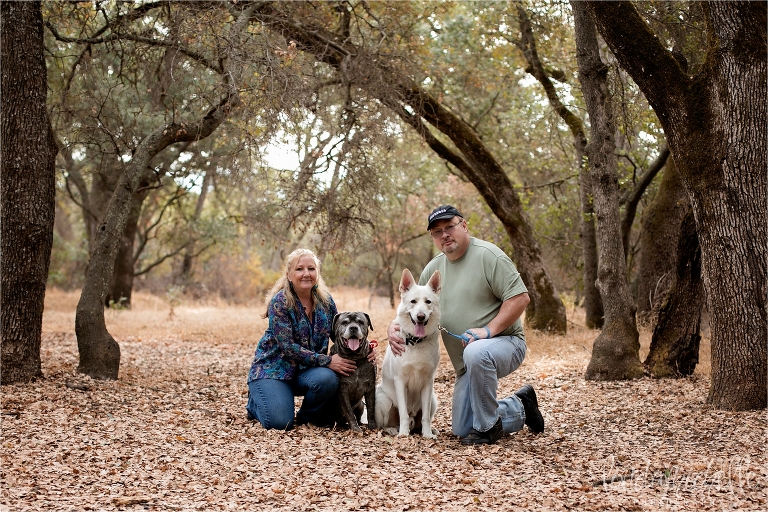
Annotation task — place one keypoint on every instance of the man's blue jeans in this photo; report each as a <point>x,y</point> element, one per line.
<point>271,401</point>
<point>474,394</point>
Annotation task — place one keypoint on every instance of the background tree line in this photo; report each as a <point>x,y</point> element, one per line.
<point>615,150</point>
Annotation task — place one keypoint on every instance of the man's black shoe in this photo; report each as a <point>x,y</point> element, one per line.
<point>490,436</point>
<point>533,417</point>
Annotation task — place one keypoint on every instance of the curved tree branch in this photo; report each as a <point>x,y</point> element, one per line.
<point>99,352</point>
<point>655,69</point>
<point>631,198</point>
<point>149,41</point>
<point>471,155</point>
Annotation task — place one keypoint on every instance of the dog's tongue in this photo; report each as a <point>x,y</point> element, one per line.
<point>418,330</point>
<point>353,343</point>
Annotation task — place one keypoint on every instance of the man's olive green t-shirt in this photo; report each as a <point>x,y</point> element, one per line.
<point>473,289</point>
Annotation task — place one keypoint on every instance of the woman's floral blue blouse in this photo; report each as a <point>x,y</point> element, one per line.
<point>292,342</point>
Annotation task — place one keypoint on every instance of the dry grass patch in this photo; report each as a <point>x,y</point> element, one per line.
<point>171,433</point>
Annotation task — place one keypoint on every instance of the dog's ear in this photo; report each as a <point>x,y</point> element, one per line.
<point>407,281</point>
<point>370,325</point>
<point>434,282</point>
<point>333,327</point>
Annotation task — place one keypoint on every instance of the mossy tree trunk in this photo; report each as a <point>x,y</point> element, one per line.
<point>659,235</point>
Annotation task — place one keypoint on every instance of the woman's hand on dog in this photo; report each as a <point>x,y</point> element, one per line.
<point>342,366</point>
<point>396,343</point>
<point>372,353</point>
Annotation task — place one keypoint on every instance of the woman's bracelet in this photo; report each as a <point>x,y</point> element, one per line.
<point>488,331</point>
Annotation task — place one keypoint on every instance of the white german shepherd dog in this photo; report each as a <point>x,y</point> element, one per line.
<point>406,394</point>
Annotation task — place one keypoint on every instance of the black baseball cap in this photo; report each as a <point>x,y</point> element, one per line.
<point>442,212</point>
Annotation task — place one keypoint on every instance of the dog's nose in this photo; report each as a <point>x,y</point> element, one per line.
<point>420,317</point>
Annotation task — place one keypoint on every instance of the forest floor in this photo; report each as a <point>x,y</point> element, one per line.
<point>171,433</point>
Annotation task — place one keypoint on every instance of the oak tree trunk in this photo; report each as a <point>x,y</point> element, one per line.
<point>103,184</point>
<point>28,189</point>
<point>675,342</point>
<point>121,288</point>
<point>659,234</point>
<point>632,196</point>
<point>99,352</point>
<point>716,123</point>
<point>615,353</point>
<point>593,303</point>
<point>189,254</point>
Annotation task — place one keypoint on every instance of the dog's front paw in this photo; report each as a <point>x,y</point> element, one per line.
<point>428,431</point>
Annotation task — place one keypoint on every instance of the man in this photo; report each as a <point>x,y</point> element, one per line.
<point>483,297</point>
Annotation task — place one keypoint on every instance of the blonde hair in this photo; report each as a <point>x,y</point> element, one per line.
<point>320,291</point>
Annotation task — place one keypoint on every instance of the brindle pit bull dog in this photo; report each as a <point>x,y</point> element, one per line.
<point>349,333</point>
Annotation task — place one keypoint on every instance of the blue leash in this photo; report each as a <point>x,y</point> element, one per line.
<point>463,339</point>
<point>446,331</point>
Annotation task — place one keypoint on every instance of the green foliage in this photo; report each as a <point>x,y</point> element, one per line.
<point>366,182</point>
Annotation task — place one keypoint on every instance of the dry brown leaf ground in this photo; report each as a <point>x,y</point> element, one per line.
<point>171,433</point>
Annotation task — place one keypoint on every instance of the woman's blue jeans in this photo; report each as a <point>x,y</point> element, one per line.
<point>271,401</point>
<point>474,394</point>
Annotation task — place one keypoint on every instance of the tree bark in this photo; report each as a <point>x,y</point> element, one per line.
<point>121,288</point>
<point>715,123</point>
<point>546,310</point>
<point>675,342</point>
<point>659,235</point>
<point>593,304</point>
<point>632,197</point>
<point>99,352</point>
<point>28,189</point>
<point>189,255</point>
<point>615,353</point>
<point>103,184</point>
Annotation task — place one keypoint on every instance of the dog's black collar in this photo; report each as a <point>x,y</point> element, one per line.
<point>413,340</point>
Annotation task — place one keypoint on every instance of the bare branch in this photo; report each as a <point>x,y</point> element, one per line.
<point>634,194</point>
<point>161,260</point>
<point>631,198</point>
<point>149,41</point>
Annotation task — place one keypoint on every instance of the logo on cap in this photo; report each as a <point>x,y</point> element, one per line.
<point>436,213</point>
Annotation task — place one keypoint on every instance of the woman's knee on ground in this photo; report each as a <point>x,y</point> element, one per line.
<point>323,382</point>
<point>277,418</point>
<point>271,403</point>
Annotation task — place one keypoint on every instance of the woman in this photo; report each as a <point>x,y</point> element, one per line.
<point>291,358</point>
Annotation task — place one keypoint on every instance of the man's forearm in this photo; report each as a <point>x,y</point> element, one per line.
<point>510,311</point>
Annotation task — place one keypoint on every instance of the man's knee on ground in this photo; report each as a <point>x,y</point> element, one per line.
<point>476,355</point>
<point>459,431</point>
